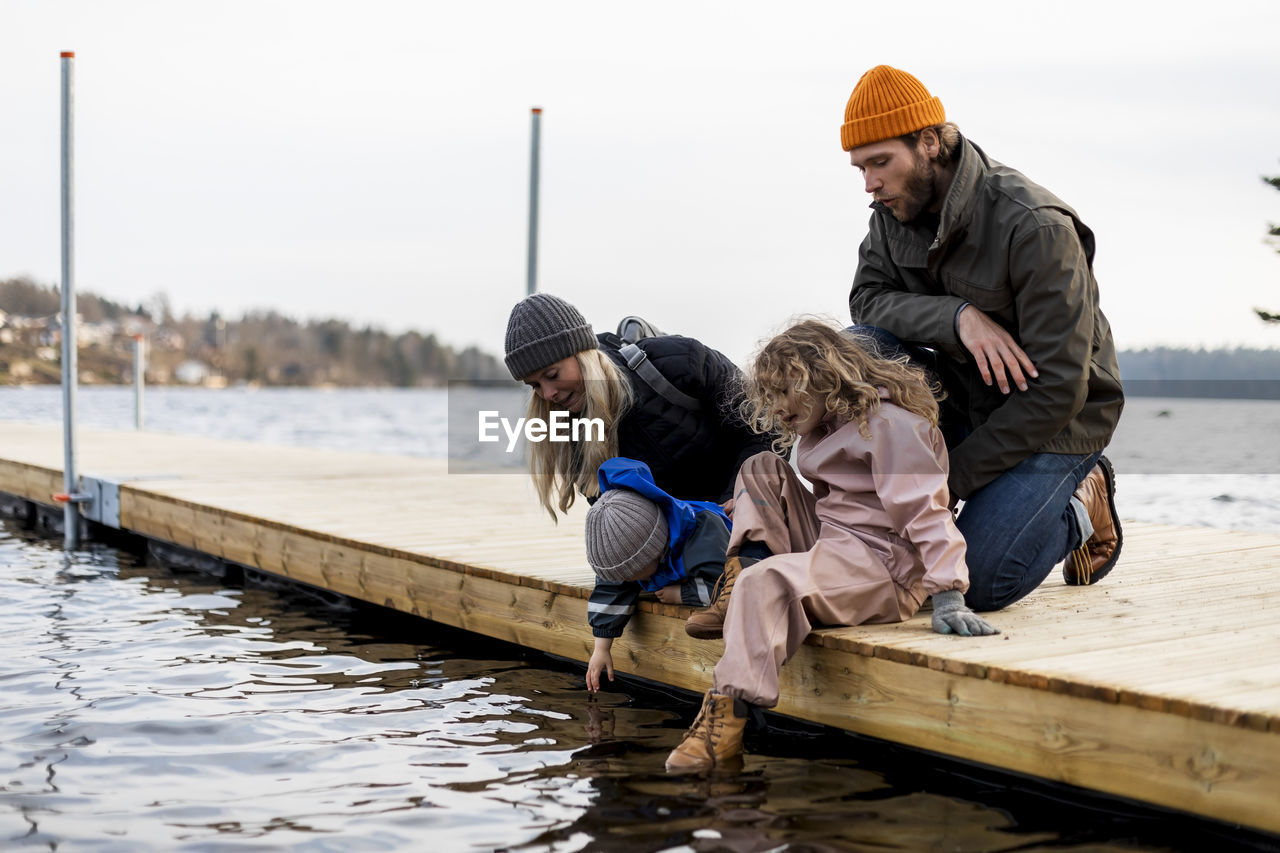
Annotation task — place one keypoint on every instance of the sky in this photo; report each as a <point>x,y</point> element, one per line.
<point>370,161</point>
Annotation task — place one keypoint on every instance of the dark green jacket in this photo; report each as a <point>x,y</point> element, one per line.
<point>1017,252</point>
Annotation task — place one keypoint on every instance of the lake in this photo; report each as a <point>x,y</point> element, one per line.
<point>148,707</point>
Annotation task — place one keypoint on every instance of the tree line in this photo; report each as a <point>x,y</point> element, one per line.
<point>1179,372</point>
<point>268,348</point>
<point>261,347</point>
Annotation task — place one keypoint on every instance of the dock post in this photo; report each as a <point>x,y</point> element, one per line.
<point>139,377</point>
<point>533,202</point>
<point>71,487</point>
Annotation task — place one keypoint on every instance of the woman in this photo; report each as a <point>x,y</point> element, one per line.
<point>694,450</point>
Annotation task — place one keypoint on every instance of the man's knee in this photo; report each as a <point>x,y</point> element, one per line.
<point>1001,582</point>
<point>981,600</point>
<point>982,578</point>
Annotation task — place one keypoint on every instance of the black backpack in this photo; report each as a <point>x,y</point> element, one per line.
<point>631,329</point>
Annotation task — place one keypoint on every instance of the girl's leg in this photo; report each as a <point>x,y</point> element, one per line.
<point>766,622</point>
<point>773,513</point>
<point>778,600</point>
<point>767,611</point>
<point>771,505</point>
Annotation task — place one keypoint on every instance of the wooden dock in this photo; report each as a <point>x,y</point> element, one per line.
<point>1161,684</point>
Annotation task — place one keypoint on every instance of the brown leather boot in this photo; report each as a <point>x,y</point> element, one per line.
<point>708,623</point>
<point>1091,562</point>
<point>714,738</point>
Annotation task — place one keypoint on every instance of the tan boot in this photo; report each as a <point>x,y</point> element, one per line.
<point>1091,562</point>
<point>708,623</point>
<point>714,738</point>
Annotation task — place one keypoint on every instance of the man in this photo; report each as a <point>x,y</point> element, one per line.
<point>987,278</point>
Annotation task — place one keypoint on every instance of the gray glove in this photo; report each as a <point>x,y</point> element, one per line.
<point>951,616</point>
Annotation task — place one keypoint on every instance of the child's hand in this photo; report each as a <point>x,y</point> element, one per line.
<point>951,616</point>
<point>669,594</point>
<point>599,721</point>
<point>601,659</point>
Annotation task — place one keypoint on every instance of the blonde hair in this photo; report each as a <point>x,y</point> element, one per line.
<point>560,469</point>
<point>841,370</point>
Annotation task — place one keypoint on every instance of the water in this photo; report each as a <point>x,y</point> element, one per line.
<point>1212,463</point>
<point>149,708</point>
<point>408,423</point>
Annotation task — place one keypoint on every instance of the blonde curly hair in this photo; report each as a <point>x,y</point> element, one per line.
<point>840,370</point>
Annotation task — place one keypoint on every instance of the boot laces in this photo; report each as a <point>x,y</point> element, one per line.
<point>1082,564</point>
<point>716,589</point>
<point>707,726</point>
<point>724,585</point>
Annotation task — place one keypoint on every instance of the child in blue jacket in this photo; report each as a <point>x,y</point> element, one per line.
<point>640,539</point>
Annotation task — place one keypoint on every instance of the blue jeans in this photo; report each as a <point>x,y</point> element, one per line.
<point>1021,523</point>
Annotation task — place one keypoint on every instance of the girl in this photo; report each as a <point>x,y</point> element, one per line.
<point>693,450</point>
<point>868,544</point>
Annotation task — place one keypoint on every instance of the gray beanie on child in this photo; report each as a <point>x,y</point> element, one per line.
<point>625,532</point>
<point>542,330</point>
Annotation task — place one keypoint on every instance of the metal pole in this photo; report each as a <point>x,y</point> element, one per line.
<point>533,204</point>
<point>139,378</point>
<point>71,510</point>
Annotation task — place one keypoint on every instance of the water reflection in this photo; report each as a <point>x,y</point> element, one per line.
<point>147,707</point>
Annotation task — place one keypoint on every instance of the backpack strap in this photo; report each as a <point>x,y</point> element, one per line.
<point>638,362</point>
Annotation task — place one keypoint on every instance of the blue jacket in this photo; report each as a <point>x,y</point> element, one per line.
<point>697,536</point>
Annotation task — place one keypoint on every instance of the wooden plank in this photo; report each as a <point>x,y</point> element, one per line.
<point>1225,771</point>
<point>1067,681</point>
<point>1133,687</point>
<point>30,482</point>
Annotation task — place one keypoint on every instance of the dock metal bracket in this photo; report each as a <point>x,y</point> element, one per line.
<point>100,496</point>
<point>103,504</point>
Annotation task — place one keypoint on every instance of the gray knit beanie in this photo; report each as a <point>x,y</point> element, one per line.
<point>542,330</point>
<point>625,532</point>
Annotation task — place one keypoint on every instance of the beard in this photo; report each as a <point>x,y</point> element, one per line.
<point>919,192</point>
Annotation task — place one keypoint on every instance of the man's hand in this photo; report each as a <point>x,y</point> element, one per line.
<point>994,349</point>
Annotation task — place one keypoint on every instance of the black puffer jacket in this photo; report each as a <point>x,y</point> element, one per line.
<point>693,455</point>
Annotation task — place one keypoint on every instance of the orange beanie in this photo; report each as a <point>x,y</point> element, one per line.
<point>887,103</point>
